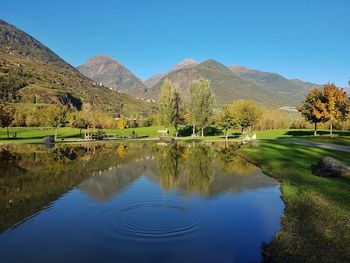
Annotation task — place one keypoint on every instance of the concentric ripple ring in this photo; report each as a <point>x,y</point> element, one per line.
<point>156,220</point>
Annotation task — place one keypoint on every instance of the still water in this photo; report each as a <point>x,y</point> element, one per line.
<point>134,202</point>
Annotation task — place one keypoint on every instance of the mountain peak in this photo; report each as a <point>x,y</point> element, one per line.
<point>215,65</point>
<point>101,59</point>
<point>111,73</point>
<point>187,62</point>
<point>237,67</point>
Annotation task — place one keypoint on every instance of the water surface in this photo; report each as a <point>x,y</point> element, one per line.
<point>135,202</point>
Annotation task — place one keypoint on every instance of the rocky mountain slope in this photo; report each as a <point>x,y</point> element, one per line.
<point>30,73</point>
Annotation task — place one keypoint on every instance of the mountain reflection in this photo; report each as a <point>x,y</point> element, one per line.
<point>33,176</point>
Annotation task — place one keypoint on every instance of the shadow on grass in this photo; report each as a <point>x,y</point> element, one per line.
<point>300,133</point>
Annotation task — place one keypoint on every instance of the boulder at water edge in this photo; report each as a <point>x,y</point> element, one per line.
<point>330,167</point>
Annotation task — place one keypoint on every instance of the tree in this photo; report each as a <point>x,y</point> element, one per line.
<point>201,104</point>
<point>272,119</point>
<point>57,118</point>
<point>227,119</point>
<point>169,105</point>
<point>247,112</point>
<point>337,104</point>
<point>121,124</point>
<point>314,109</point>
<point>102,120</point>
<point>80,120</point>
<point>6,117</point>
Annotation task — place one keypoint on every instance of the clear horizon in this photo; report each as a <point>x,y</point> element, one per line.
<point>307,41</point>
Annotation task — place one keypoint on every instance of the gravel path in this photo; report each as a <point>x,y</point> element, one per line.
<point>335,147</point>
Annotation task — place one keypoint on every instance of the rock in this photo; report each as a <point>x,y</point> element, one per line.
<point>330,167</point>
<point>49,139</point>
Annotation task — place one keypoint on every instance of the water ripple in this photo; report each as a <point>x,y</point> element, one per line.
<point>156,220</point>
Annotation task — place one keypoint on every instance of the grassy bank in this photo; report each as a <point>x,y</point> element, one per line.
<point>316,224</point>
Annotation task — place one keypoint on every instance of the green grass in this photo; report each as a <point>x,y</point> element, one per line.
<point>35,135</point>
<point>316,223</point>
<point>32,135</point>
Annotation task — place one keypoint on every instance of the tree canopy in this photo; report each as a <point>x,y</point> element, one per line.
<point>248,113</point>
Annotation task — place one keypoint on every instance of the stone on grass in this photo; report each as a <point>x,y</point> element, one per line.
<point>49,139</point>
<point>330,167</point>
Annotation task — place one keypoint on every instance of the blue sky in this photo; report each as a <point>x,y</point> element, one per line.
<point>305,39</point>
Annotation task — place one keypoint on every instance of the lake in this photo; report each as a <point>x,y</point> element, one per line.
<point>134,202</point>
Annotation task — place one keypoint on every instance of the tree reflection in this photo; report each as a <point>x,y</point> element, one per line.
<point>33,176</point>
<point>232,162</point>
<point>168,163</point>
<point>185,167</point>
<point>200,168</point>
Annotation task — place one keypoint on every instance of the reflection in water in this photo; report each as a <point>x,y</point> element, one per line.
<point>176,195</point>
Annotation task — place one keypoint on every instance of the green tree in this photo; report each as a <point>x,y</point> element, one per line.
<point>80,120</point>
<point>227,119</point>
<point>201,104</point>
<point>247,112</point>
<point>58,118</point>
<point>337,104</point>
<point>169,105</point>
<point>7,114</point>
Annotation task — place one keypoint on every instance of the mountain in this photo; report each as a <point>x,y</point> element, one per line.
<point>186,63</point>
<point>226,85</point>
<point>153,80</point>
<point>293,91</point>
<point>305,84</point>
<point>112,74</point>
<point>32,74</point>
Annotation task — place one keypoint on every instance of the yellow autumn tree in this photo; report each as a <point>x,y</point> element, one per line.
<point>337,104</point>
<point>314,108</point>
<point>121,124</point>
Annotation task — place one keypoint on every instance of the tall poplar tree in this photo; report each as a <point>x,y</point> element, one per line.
<point>201,104</point>
<point>169,105</point>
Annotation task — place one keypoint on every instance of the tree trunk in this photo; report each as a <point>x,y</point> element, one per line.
<point>331,129</point>
<point>55,134</point>
<point>8,132</point>
<point>194,130</point>
<point>315,132</point>
<point>202,132</point>
<point>226,134</point>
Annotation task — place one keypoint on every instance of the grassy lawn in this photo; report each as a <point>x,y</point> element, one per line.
<point>316,224</point>
<point>31,135</point>
<point>35,135</point>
